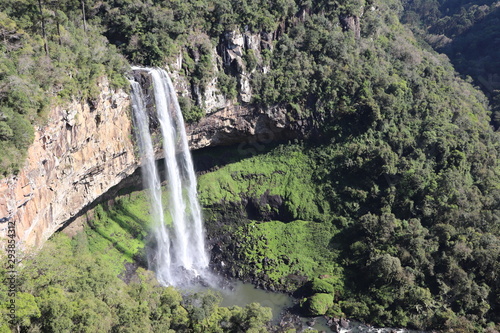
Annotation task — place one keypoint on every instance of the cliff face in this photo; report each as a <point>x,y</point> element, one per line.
<point>81,153</point>
<point>237,121</point>
<point>245,125</point>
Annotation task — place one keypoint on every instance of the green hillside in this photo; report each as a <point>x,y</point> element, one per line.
<point>469,33</point>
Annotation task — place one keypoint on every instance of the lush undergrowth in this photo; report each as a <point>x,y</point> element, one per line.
<point>378,267</point>
<point>119,229</point>
<point>118,232</point>
<point>278,183</point>
<point>466,31</point>
<point>287,220</point>
<point>390,211</point>
<point>383,265</point>
<point>279,249</point>
<point>93,283</point>
<point>290,239</point>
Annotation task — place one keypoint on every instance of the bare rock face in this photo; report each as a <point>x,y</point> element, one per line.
<point>212,98</point>
<point>232,49</point>
<point>181,82</point>
<point>81,153</point>
<point>351,23</point>
<point>229,56</point>
<point>245,125</point>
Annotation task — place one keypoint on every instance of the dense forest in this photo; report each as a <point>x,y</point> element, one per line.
<point>468,32</point>
<point>393,196</point>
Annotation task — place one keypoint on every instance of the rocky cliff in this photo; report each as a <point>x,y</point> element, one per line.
<point>82,152</point>
<point>248,126</point>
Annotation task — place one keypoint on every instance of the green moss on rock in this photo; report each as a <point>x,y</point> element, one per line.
<point>275,184</point>
<point>278,255</point>
<point>318,304</point>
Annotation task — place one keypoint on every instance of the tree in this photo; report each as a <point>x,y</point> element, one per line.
<point>26,309</point>
<point>252,318</point>
<point>44,34</point>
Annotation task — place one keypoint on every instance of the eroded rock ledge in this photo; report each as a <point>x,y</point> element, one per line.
<point>245,124</point>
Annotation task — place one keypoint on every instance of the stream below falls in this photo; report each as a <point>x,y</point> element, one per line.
<point>237,293</point>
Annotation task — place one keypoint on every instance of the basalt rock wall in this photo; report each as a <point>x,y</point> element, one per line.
<point>82,152</point>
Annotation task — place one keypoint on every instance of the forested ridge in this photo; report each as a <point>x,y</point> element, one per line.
<point>393,198</point>
<point>468,32</point>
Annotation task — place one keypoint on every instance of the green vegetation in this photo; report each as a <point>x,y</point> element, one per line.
<point>282,252</point>
<point>284,172</point>
<point>39,69</point>
<point>72,285</point>
<point>323,285</point>
<point>318,304</point>
<point>393,258</point>
<point>190,112</point>
<point>468,32</point>
<point>56,51</point>
<point>150,31</point>
<point>118,232</point>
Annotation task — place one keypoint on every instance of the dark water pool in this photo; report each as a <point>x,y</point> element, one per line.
<point>241,294</point>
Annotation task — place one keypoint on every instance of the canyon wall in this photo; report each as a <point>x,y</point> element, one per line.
<point>82,152</point>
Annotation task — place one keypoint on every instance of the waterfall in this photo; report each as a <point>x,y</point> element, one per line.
<point>179,253</point>
<point>151,179</point>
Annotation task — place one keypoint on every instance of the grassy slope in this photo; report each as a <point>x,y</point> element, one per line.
<point>289,239</point>
<point>118,232</point>
<point>285,171</point>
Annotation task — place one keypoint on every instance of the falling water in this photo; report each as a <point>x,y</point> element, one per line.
<point>179,254</point>
<point>151,178</point>
<point>201,259</point>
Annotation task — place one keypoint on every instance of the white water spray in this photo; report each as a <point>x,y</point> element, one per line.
<point>179,254</point>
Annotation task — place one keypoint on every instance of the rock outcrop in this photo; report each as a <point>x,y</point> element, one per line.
<point>245,125</point>
<point>85,150</point>
<point>351,23</point>
<point>82,152</point>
